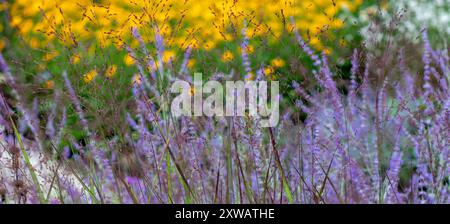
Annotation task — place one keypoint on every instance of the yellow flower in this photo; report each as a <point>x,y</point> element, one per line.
<point>268,70</point>
<point>191,63</point>
<point>208,19</point>
<point>250,49</point>
<point>191,90</point>
<point>193,44</point>
<point>208,45</point>
<point>75,59</point>
<point>228,37</point>
<point>337,24</point>
<point>277,62</point>
<point>88,77</point>
<point>110,71</point>
<point>315,42</point>
<point>3,6</point>
<point>136,79</point>
<point>49,84</point>
<point>50,55</point>
<point>128,60</point>
<point>168,56</point>
<point>34,43</point>
<point>227,56</point>
<point>2,44</point>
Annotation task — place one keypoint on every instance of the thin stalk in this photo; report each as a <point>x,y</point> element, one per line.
<point>28,163</point>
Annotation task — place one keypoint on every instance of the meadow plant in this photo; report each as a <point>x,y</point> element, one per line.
<point>383,140</point>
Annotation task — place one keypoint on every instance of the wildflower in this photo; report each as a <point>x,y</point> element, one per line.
<point>168,56</point>
<point>227,56</point>
<point>244,54</point>
<point>34,43</point>
<point>250,49</point>
<point>49,84</point>
<point>136,79</point>
<point>277,62</point>
<point>250,76</point>
<point>192,91</point>
<point>208,45</point>
<point>191,63</point>
<point>50,55</point>
<point>110,71</point>
<point>88,77</point>
<point>77,104</point>
<point>152,66</point>
<point>75,59</point>
<point>184,64</point>
<point>193,45</point>
<point>128,60</point>
<point>2,44</point>
<point>105,19</point>
<point>315,42</point>
<point>268,70</point>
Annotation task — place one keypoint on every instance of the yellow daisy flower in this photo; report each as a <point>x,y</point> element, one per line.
<point>208,45</point>
<point>88,77</point>
<point>268,70</point>
<point>75,59</point>
<point>110,71</point>
<point>227,56</point>
<point>277,63</point>
<point>168,56</point>
<point>191,63</point>
<point>128,60</point>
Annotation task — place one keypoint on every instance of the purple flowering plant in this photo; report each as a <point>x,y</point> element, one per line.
<point>385,139</point>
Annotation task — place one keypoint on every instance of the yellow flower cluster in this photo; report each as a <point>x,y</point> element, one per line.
<point>200,24</point>
<point>88,77</point>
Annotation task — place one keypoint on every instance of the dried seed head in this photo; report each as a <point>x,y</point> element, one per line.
<point>14,151</point>
<point>18,184</point>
